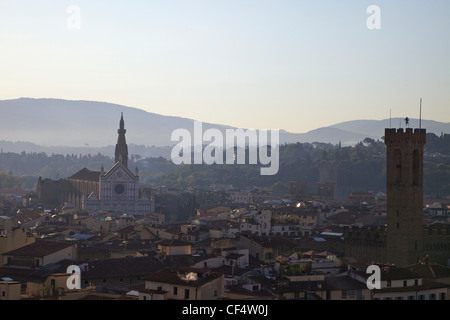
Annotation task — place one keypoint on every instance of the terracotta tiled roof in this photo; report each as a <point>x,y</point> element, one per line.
<point>121,267</point>
<point>273,242</point>
<point>398,274</point>
<point>317,254</point>
<point>119,245</point>
<point>195,270</point>
<point>174,243</point>
<point>169,275</point>
<point>431,271</point>
<point>342,283</point>
<point>392,273</point>
<point>86,175</point>
<point>426,285</point>
<point>39,249</point>
<point>299,286</point>
<point>21,273</point>
<point>176,261</point>
<point>126,230</point>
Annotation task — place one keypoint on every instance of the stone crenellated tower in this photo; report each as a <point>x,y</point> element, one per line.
<point>406,239</point>
<point>121,153</point>
<point>404,185</point>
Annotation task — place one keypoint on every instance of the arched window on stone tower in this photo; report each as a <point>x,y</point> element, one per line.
<point>416,165</point>
<point>397,166</point>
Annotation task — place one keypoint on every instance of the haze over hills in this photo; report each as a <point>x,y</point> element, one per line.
<point>91,127</point>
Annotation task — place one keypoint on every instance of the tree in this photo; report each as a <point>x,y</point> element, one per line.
<point>280,187</point>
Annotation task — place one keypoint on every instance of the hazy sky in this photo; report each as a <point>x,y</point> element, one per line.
<point>285,64</point>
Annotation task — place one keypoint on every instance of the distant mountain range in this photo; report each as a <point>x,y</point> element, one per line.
<point>91,127</point>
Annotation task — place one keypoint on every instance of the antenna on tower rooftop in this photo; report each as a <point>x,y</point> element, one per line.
<point>420,117</point>
<point>390,118</point>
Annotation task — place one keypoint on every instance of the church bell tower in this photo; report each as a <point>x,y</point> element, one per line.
<point>121,153</point>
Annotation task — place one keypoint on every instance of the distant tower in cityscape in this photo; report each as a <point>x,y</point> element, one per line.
<point>121,153</point>
<point>404,186</point>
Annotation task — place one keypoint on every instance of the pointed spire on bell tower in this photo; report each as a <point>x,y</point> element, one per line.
<point>121,153</point>
<point>122,123</point>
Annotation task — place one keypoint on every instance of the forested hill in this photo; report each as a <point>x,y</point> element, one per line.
<point>358,168</point>
<point>59,125</point>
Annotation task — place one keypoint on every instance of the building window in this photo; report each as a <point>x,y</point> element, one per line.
<point>388,283</point>
<point>175,291</point>
<point>416,160</point>
<point>443,296</point>
<point>186,294</point>
<point>3,293</point>
<point>216,293</point>
<point>405,283</point>
<point>119,189</point>
<point>432,296</point>
<point>397,166</point>
<point>416,282</point>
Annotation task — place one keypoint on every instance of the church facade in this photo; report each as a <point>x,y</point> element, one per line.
<point>117,189</point>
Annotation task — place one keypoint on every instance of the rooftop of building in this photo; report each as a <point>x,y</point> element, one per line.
<point>86,175</point>
<point>428,269</point>
<point>426,285</point>
<point>180,276</point>
<point>121,267</point>
<point>173,243</point>
<point>39,248</point>
<point>272,241</point>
